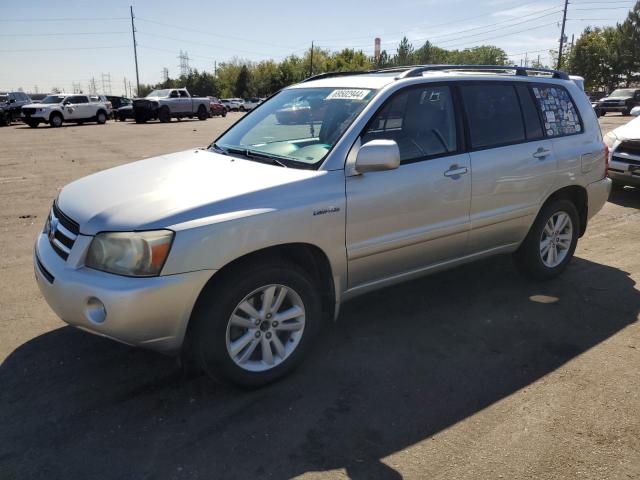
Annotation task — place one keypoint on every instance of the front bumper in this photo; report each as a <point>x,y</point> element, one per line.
<point>145,312</point>
<point>612,108</point>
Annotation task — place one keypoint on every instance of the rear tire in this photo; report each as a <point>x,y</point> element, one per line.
<point>224,113</point>
<point>535,258</point>
<point>164,115</point>
<point>101,118</point>
<point>266,348</point>
<point>202,113</point>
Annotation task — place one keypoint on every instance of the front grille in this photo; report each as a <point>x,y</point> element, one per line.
<point>62,232</point>
<point>630,147</point>
<point>614,103</point>
<point>28,111</point>
<point>630,161</point>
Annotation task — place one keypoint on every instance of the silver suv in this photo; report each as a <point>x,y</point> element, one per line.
<point>235,255</point>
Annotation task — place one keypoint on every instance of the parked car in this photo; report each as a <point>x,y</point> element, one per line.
<point>301,110</point>
<point>11,104</point>
<point>217,108</point>
<point>170,103</point>
<point>236,255</point>
<point>250,103</point>
<point>621,100</point>
<point>38,97</point>
<point>103,99</point>
<point>118,103</point>
<point>624,152</point>
<point>233,104</point>
<point>59,108</point>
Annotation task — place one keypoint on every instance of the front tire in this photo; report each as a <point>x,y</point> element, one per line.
<point>164,115</point>
<point>55,121</point>
<point>257,326</point>
<point>551,241</point>
<point>32,123</point>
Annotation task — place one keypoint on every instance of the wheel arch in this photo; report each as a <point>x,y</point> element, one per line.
<point>578,195</point>
<point>311,258</point>
<point>54,113</point>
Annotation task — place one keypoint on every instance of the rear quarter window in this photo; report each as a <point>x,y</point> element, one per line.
<point>559,113</point>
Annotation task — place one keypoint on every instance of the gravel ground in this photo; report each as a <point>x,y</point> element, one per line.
<point>472,373</point>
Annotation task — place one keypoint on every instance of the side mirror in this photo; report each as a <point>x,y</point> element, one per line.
<point>377,156</point>
<point>66,102</point>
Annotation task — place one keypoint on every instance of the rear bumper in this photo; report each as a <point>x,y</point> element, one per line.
<point>146,312</point>
<point>597,195</point>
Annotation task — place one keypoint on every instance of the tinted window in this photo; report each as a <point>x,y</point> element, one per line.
<point>532,124</point>
<point>558,111</point>
<point>184,94</point>
<point>78,99</point>
<point>420,120</point>
<point>493,113</point>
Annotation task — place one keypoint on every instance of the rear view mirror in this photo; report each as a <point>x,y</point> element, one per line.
<point>377,156</point>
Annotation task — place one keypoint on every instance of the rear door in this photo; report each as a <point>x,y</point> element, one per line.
<point>405,220</point>
<point>514,165</point>
<point>186,103</point>
<point>77,108</point>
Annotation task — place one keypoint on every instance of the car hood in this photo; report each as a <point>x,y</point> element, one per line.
<point>629,131</point>
<point>170,190</point>
<point>616,98</point>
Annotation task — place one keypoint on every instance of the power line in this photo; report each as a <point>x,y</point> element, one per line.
<point>83,19</point>
<point>61,49</point>
<point>57,34</point>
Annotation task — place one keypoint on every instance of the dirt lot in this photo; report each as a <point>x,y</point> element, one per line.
<point>472,373</point>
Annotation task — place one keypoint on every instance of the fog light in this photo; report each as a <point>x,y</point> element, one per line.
<point>95,311</point>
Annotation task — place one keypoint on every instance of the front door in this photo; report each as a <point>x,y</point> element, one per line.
<point>405,220</point>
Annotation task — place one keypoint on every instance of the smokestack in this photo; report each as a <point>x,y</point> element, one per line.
<point>376,49</point>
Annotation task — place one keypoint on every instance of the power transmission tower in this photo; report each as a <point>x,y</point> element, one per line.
<point>135,49</point>
<point>77,88</point>
<point>165,75</point>
<point>562,37</point>
<point>106,83</point>
<point>92,86</point>
<point>184,63</point>
<point>35,89</point>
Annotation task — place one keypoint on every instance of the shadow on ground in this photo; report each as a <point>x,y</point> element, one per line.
<point>399,366</point>
<point>625,197</point>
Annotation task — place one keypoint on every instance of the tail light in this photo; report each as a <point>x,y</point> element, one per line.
<point>606,160</point>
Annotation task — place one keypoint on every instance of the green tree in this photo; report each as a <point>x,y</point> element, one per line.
<point>404,54</point>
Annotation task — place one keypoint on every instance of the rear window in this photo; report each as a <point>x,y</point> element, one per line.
<point>494,116</point>
<point>532,125</point>
<point>559,113</point>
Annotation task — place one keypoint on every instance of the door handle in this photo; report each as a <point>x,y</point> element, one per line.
<point>541,153</point>
<point>455,171</point>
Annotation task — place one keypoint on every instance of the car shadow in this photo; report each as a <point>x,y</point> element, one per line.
<point>399,366</point>
<point>626,197</point>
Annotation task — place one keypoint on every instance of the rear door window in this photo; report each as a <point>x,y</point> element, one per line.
<point>533,127</point>
<point>493,114</point>
<point>78,99</point>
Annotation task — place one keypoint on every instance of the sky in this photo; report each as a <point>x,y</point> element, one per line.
<point>51,43</point>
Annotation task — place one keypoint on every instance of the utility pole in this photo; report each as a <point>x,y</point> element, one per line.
<point>311,62</point>
<point>215,68</point>
<point>125,87</point>
<point>564,21</point>
<point>92,86</point>
<point>135,48</point>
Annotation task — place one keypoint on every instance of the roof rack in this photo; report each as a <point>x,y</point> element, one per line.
<point>320,76</point>
<point>416,71</point>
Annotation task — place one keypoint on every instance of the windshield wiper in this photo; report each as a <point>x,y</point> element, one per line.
<point>218,149</point>
<point>273,158</point>
<point>253,155</point>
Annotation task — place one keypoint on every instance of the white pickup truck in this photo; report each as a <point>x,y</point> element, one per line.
<point>170,103</point>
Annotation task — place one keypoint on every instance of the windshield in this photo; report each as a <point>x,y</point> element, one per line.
<point>622,92</point>
<point>53,99</point>
<point>159,93</point>
<point>298,125</point>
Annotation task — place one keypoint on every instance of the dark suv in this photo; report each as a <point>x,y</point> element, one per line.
<point>11,104</point>
<point>122,107</point>
<point>620,100</point>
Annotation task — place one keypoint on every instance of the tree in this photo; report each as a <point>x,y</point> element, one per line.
<point>404,54</point>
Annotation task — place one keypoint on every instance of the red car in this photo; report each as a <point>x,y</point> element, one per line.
<point>216,107</point>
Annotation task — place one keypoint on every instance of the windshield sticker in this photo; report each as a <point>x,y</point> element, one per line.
<point>348,94</point>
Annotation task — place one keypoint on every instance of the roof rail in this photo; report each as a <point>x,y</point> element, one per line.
<point>417,70</point>
<point>320,76</point>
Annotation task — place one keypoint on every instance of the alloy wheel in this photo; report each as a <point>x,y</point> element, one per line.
<point>556,239</point>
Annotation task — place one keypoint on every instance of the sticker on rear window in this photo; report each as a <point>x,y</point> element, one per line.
<point>348,94</point>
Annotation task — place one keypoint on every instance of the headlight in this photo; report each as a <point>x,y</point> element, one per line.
<point>610,140</point>
<point>136,254</point>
